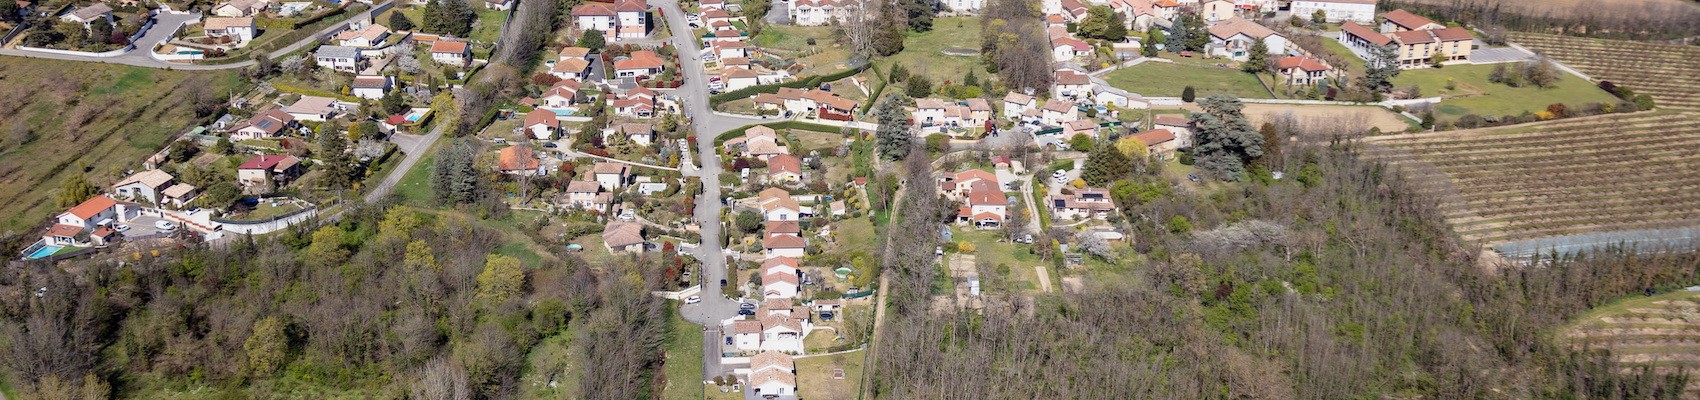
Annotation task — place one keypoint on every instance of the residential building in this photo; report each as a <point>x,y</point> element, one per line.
<point>639,63</point>
<point>773,375</point>
<point>1302,70</point>
<point>611,175</point>
<point>822,12</point>
<point>1066,49</point>
<point>778,205</point>
<point>145,185</point>
<point>372,35</point>
<point>451,52</point>
<point>240,8</point>
<point>758,141</point>
<point>1360,11</point>
<point>623,237</point>
<point>986,206</point>
<point>783,332</point>
<point>633,18</point>
<point>1401,21</point>
<point>956,186</point>
<point>503,5</point>
<point>1080,127</point>
<point>730,50</point>
<point>571,69</point>
<point>240,28</point>
<point>87,15</point>
<point>1074,204</point>
<point>708,5</point>
<point>339,58</point>
<point>314,108</point>
<point>964,6</point>
<point>1058,112</point>
<point>268,169</point>
<point>1071,84</point>
<point>371,87</point>
<point>94,212</point>
<point>638,133</point>
<point>739,78</point>
<point>1159,143</point>
<point>542,124</point>
<point>1214,11</point>
<point>784,169</point>
<point>784,246</point>
<point>561,96</point>
<point>746,334</point>
<point>1415,48</point>
<point>265,124</point>
<point>1234,37</point>
<point>782,228</point>
<point>518,160</point>
<point>586,195</point>
<point>1015,104</point>
<point>1111,96</point>
<point>780,284</point>
<point>178,195</point>
<point>596,16</point>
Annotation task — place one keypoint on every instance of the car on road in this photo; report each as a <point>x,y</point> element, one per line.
<point>164,225</point>
<point>693,299</point>
<point>121,228</point>
<point>722,282</point>
<point>728,340</point>
<point>550,145</point>
<point>747,312</point>
<point>746,306</point>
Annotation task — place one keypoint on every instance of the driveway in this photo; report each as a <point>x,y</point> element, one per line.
<point>414,147</point>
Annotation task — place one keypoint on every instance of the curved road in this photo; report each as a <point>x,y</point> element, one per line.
<point>166,25</point>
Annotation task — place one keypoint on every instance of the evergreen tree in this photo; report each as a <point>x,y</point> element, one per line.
<point>919,14</point>
<point>340,169</point>
<point>919,87</point>
<point>73,190</point>
<point>592,40</point>
<point>1271,146</point>
<point>453,178</point>
<point>970,79</point>
<point>1097,22</point>
<point>1382,66</point>
<point>449,17</point>
<point>1223,140</point>
<point>1258,60</point>
<point>892,138</point>
<point>1106,164</point>
<point>10,12</point>
<point>1188,94</point>
<point>400,22</point>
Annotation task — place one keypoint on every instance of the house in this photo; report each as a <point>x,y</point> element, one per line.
<point>1112,96</point>
<point>1233,38</point>
<point>776,284</point>
<point>780,276</point>
<point>730,50</point>
<point>370,36</point>
<point>1360,11</point>
<point>87,15</point>
<point>783,246</point>
<point>1216,10</point>
<point>956,186</point>
<point>179,195</point>
<point>783,332</point>
<point>1080,127</point>
<point>713,15</point>
<point>623,237</point>
<point>518,160</point>
<point>561,96</point>
<point>264,169</point>
<point>1415,48</point>
<point>313,108</point>
<point>241,28</point>
<point>145,185</point>
<point>746,334</point>
<point>822,12</point>
<point>708,5</point>
<point>778,205</point>
<point>240,8</point>
<point>571,52</point>
<point>571,69</point>
<point>1302,70</point>
<point>611,175</point>
<point>542,124</point>
<point>1401,21</point>
<point>739,78</point>
<point>784,169</point>
<point>987,206</point>
<point>1159,143</point>
<point>934,114</point>
<point>451,52</point>
<point>633,18</point>
<point>758,141</point>
<point>371,87</point>
<point>596,16</point>
<point>1071,84</point>
<point>639,133</point>
<point>503,5</point>
<point>1180,126</point>
<point>639,63</point>
<point>1015,104</point>
<point>586,195</point>
<point>266,124</point>
<point>635,108</point>
<point>772,375</point>
<point>1066,49</point>
<point>1081,203</point>
<point>339,58</point>
<point>964,6</point>
<point>95,212</point>
<point>786,228</point>
<point>1058,112</point>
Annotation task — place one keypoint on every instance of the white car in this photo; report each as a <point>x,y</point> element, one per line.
<point>693,299</point>
<point>121,228</point>
<point>164,225</point>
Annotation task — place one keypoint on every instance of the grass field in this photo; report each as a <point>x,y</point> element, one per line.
<point>111,116</point>
<point>921,51</point>
<point>1161,79</point>
<point>684,361</point>
<point>1473,94</point>
<point>1671,74</point>
<point>815,381</point>
<point>1655,331</point>
<point>551,361</point>
<point>1361,117</point>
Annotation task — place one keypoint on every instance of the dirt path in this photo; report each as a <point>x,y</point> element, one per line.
<point>1044,278</point>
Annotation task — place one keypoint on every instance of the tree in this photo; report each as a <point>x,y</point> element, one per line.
<point>1540,73</point>
<point>182,151</point>
<point>10,12</point>
<point>364,130</point>
<point>340,169</point>
<point>1098,23</point>
<point>1320,16</point>
<point>1382,67</point>
<point>221,195</point>
<point>1188,94</point>
<point>918,87</point>
<point>1438,58</point>
<point>400,22</point>
<point>266,347</point>
<point>453,178</point>
<point>73,190</point>
<point>393,103</point>
<point>1187,33</point>
<point>407,63</point>
<point>892,138</point>
<point>747,221</point>
<point>223,146</point>
<point>1106,164</point>
<point>1257,59</point>
<point>449,17</point>
<point>898,73</point>
<point>1223,139</point>
<point>970,79</point>
<point>592,40</point>
<point>1271,146</point>
<point>938,143</point>
<point>1080,142</point>
<point>100,32</point>
<point>501,280</point>
<point>919,14</point>
<point>1133,148</point>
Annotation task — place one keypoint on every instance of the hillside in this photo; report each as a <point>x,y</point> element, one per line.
<point>88,118</point>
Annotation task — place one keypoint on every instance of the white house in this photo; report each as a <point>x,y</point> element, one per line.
<point>610,175</point>
<point>145,185</point>
<point>451,52</point>
<point>1058,112</point>
<point>339,58</point>
<point>772,375</point>
<point>371,87</point>
<point>586,195</point>
<point>1360,11</point>
<point>314,108</point>
<point>1082,203</point>
<point>597,16</point>
<point>986,206</point>
<point>780,285</point>
<point>778,205</point>
<point>1065,49</point>
<point>638,133</point>
<point>1015,104</point>
<point>1071,84</point>
<point>822,12</point>
<point>783,332</point>
<point>633,18</point>
<point>89,14</point>
<point>964,6</point>
<point>746,334</point>
<point>542,124</point>
<point>784,246</point>
<point>561,96</point>
<point>1112,96</point>
<point>240,8</point>
<point>1233,38</point>
<point>241,28</point>
<point>1214,11</point>
<point>265,124</point>
<point>370,36</point>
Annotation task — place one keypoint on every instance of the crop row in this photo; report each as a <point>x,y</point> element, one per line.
<point>1538,130</point>
<point>1617,138</point>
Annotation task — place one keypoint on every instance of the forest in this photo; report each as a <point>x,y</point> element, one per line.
<point>385,303</point>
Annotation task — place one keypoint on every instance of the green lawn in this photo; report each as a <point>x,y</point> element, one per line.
<point>414,188</point>
<point>921,51</point>
<point>552,360</point>
<point>1475,95</point>
<point>489,25</point>
<point>1354,65</point>
<point>1016,255</point>
<point>684,361</point>
<point>1159,79</point>
<point>815,381</point>
<point>790,37</point>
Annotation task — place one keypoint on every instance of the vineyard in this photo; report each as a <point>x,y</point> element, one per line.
<point>1670,73</point>
<point>1596,174</point>
<point>1660,331</point>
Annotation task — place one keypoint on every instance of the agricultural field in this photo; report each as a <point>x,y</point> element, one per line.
<point>1354,117</point>
<point>1661,331</point>
<point>1472,93</point>
<point>113,116</point>
<point>1595,174</point>
<point>1669,73</point>
<point>1160,79</point>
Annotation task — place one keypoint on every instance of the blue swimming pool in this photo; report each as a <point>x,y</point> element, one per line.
<point>414,117</point>
<point>45,251</point>
<point>565,113</point>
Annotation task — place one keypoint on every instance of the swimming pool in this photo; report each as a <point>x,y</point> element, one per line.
<point>415,117</point>
<point>564,112</point>
<point>45,251</point>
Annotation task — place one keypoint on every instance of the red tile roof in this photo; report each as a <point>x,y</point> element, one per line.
<point>518,158</point>
<point>1300,62</point>
<point>449,46</point>
<point>784,163</point>
<point>93,206</point>
<point>1406,19</point>
<point>1353,29</point>
<point>1413,37</point>
<point>269,162</point>
<point>1155,136</point>
<point>1453,34</point>
<point>542,116</point>
<point>592,9</point>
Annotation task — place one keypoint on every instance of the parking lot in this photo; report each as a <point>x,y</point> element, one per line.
<point>1498,55</point>
<point>143,226</point>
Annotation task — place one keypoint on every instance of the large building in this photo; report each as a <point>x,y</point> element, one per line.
<point>1361,11</point>
<point>1234,37</point>
<point>1417,40</point>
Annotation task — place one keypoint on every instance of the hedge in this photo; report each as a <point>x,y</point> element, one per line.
<point>874,96</point>
<point>814,81</point>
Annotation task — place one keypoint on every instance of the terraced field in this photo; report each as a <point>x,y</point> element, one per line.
<point>1597,174</point>
<point>1670,73</point>
<point>1662,331</point>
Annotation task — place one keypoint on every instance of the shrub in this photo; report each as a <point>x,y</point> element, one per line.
<point>1188,94</point>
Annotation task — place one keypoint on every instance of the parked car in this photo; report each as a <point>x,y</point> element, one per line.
<point>938,250</point>
<point>722,282</point>
<point>550,145</point>
<point>728,340</point>
<point>121,228</point>
<point>1192,177</point>
<point>747,312</point>
<point>164,225</point>
<point>746,306</point>
<point>693,299</point>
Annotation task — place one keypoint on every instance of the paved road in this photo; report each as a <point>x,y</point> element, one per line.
<point>166,26</point>
<point>414,147</point>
